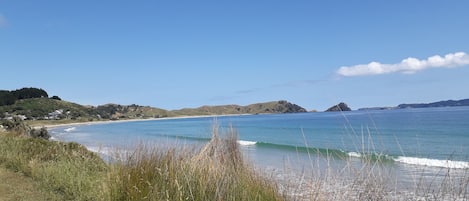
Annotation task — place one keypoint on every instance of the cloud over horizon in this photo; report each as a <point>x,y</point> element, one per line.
<point>409,65</point>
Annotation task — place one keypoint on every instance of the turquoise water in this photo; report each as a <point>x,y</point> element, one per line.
<point>407,139</point>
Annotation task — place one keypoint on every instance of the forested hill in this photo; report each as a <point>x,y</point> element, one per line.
<point>10,97</point>
<point>448,103</point>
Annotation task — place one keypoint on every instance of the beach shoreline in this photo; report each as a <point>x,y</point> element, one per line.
<point>58,125</point>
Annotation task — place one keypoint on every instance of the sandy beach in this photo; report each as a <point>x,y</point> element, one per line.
<point>131,120</point>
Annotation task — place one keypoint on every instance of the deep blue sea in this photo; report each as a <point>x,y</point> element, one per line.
<point>407,139</point>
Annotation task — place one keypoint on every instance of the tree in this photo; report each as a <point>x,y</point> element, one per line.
<point>55,98</point>
<point>30,92</point>
<point>39,133</point>
<point>6,98</point>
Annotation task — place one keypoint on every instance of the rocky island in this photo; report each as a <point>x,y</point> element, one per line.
<point>339,107</point>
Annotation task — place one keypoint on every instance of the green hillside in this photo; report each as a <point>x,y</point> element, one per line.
<point>115,111</point>
<point>45,108</point>
<point>258,108</point>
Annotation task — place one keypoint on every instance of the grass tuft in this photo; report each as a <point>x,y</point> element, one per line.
<point>216,172</point>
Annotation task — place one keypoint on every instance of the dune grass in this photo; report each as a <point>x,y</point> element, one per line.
<point>216,172</point>
<point>70,172</point>
<point>67,170</point>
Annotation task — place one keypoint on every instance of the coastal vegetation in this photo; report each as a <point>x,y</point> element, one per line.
<point>68,171</point>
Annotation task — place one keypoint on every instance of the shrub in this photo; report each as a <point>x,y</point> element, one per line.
<point>39,133</point>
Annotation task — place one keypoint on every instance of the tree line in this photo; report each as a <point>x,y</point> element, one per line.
<point>10,97</point>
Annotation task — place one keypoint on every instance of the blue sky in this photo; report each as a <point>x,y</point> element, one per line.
<point>176,54</point>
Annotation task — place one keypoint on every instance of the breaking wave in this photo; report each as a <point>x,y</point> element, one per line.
<point>433,162</point>
<point>246,143</point>
<point>70,129</point>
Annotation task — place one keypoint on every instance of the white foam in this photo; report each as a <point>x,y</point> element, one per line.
<point>246,143</point>
<point>354,154</point>
<point>433,162</point>
<point>70,129</point>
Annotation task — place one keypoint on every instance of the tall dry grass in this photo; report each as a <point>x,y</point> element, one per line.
<point>372,176</point>
<point>215,172</point>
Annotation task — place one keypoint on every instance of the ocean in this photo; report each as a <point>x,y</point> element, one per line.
<point>424,141</point>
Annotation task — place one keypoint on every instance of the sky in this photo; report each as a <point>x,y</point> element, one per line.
<point>181,54</point>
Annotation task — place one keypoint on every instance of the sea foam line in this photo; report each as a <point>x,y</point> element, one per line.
<point>422,161</point>
<point>70,129</point>
<point>433,162</point>
<point>246,143</point>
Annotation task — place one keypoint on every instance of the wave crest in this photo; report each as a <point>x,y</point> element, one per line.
<point>70,129</point>
<point>433,162</point>
<point>246,143</point>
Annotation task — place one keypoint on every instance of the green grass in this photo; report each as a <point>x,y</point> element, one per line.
<point>70,172</point>
<point>16,186</point>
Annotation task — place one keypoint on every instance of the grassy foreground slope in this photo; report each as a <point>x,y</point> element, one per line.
<point>16,186</point>
<point>49,170</point>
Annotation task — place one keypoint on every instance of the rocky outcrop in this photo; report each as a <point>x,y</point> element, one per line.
<point>339,107</point>
<point>287,107</point>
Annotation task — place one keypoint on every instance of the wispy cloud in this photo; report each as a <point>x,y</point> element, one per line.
<point>3,20</point>
<point>409,65</point>
<point>244,92</point>
<point>248,91</point>
<point>222,98</point>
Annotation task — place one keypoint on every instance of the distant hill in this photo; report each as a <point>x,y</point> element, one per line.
<point>258,108</point>
<point>448,103</point>
<point>378,108</point>
<point>116,111</point>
